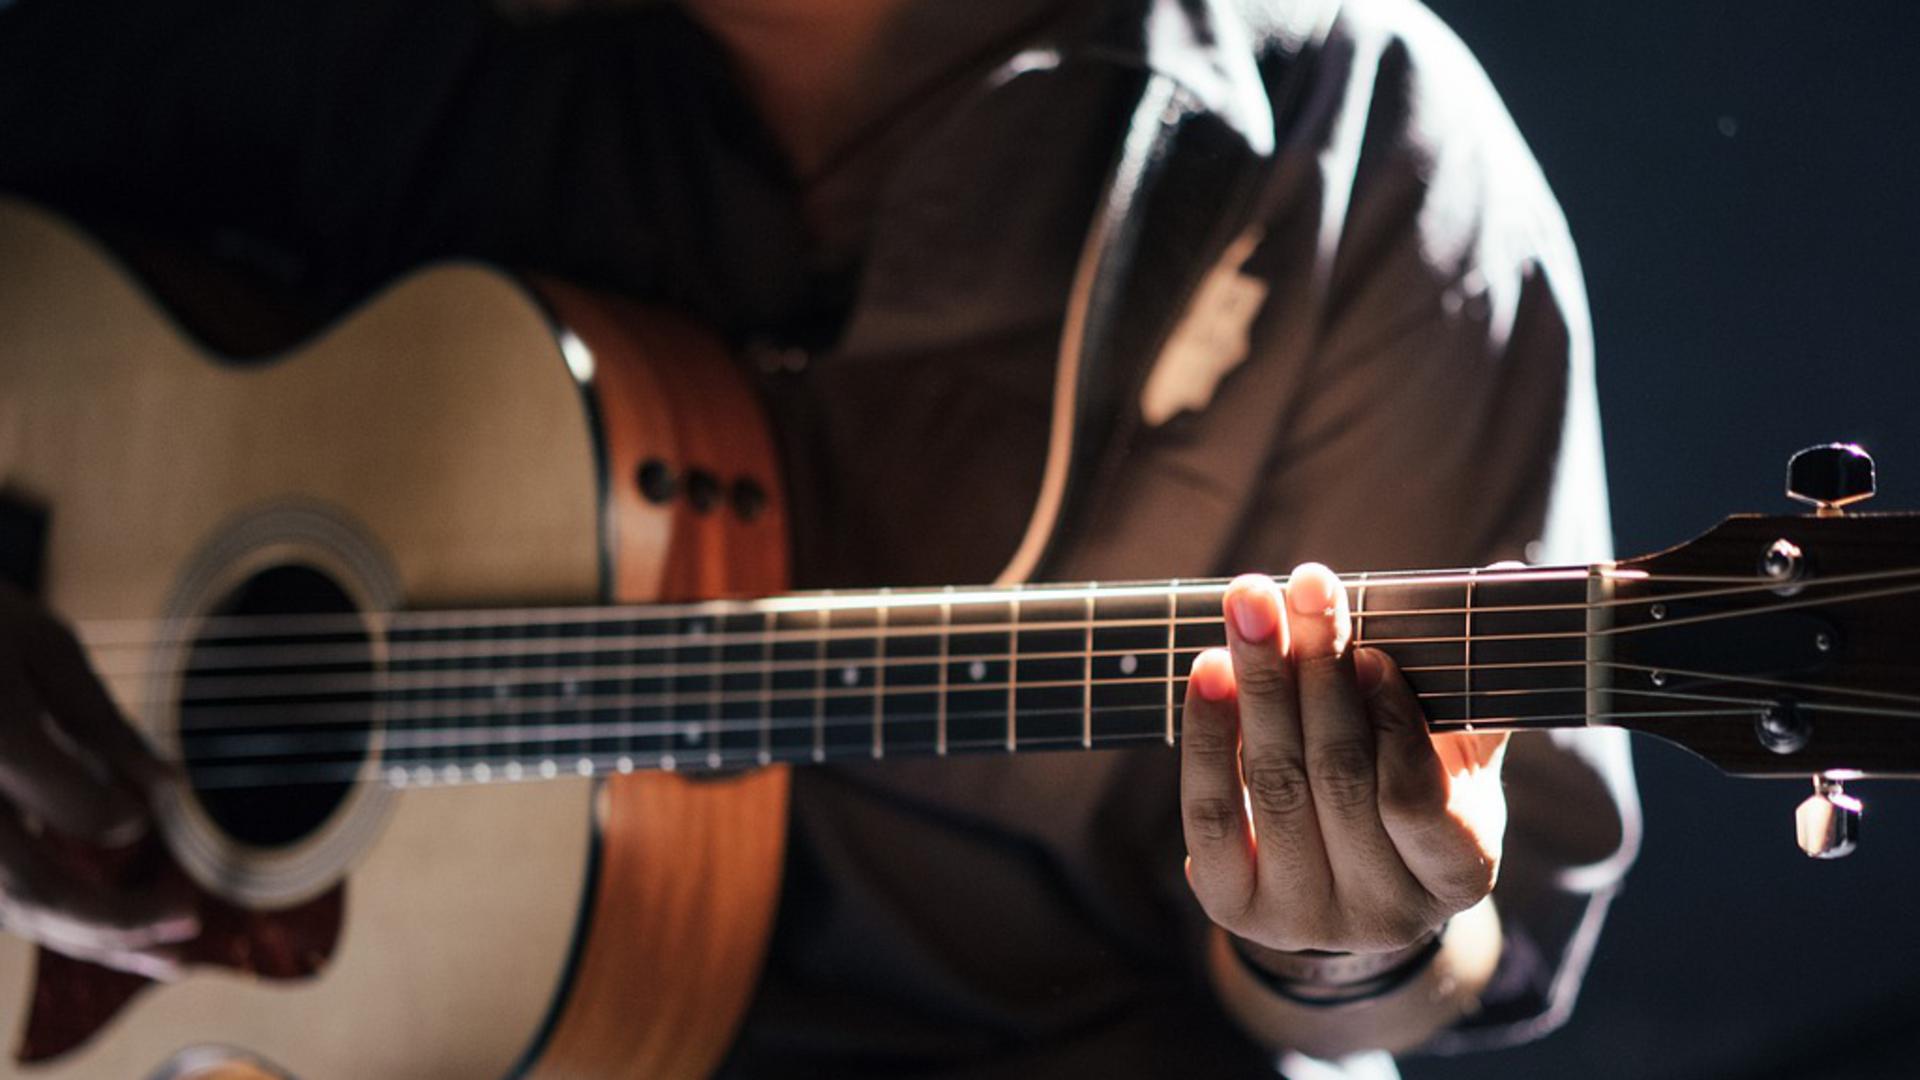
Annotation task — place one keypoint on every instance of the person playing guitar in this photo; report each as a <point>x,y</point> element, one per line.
<point>1060,288</point>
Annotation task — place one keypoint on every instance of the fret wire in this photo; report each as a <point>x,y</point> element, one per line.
<point>946,637</point>
<point>1013,670</point>
<point>766,689</point>
<point>715,679</point>
<point>880,678</point>
<point>624,760</point>
<point>1466,651</point>
<point>820,688</point>
<point>669,760</point>
<point>1360,612</point>
<point>513,729</point>
<point>547,716</point>
<point>1594,645</point>
<point>1086,668</point>
<point>1173,623</point>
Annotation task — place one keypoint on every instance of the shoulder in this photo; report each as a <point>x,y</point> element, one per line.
<point>1426,197</point>
<point>1410,137</point>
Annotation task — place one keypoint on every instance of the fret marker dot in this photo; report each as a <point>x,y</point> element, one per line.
<point>397,776</point>
<point>584,766</point>
<point>696,628</point>
<point>451,774</point>
<point>625,764</point>
<point>482,772</point>
<point>1129,664</point>
<point>667,762</point>
<point>850,676</point>
<point>423,775</point>
<point>549,769</point>
<point>690,733</point>
<point>977,670</point>
<point>514,770</point>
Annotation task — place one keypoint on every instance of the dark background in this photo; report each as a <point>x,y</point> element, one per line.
<point>1743,183</point>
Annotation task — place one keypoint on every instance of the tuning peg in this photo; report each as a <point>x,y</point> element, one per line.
<point>1830,476</point>
<point>1828,823</point>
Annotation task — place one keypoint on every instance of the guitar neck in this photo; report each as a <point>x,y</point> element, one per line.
<point>835,676</point>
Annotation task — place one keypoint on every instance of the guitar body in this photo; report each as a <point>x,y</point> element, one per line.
<point>462,441</point>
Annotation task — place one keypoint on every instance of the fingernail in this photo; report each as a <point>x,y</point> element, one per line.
<point>1254,613</point>
<point>1212,675</point>
<point>1308,592</point>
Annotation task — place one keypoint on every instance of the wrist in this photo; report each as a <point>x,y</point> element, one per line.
<point>1436,992</point>
<point>1322,978</point>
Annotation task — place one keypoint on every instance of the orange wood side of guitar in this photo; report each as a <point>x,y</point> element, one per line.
<point>689,870</point>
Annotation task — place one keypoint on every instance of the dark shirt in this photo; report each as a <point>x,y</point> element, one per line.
<point>1422,327</point>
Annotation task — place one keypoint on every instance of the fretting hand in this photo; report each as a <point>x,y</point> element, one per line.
<point>1319,813</point>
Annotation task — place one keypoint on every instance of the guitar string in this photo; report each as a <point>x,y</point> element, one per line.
<point>587,646</point>
<point>588,730</point>
<point>428,774</point>
<point>463,650</point>
<point>497,693</point>
<point>989,718</point>
<point>101,633</point>
<point>371,679</point>
<point>308,715</point>
<point>1755,680</point>
<point>803,603</point>
<point>1078,682</point>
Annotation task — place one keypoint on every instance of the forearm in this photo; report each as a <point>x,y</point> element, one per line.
<point>1446,989</point>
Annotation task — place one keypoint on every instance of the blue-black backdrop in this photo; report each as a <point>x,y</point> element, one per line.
<point>1743,181</point>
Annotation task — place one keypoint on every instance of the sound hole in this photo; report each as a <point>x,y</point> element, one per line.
<point>276,709</point>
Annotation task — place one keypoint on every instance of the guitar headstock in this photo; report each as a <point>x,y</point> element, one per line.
<point>1779,645</point>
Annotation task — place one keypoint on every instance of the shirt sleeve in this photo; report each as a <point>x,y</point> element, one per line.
<point>1445,416</point>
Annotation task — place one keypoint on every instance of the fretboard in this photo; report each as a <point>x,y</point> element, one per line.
<point>841,676</point>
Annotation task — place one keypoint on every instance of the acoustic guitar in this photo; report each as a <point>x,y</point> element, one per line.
<point>465,621</point>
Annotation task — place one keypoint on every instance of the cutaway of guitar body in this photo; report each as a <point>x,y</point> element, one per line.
<point>483,438</point>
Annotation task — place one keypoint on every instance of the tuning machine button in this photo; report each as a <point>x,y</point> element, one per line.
<point>1830,477</point>
<point>1827,824</point>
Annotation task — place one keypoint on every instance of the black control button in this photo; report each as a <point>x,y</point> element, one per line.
<point>703,490</point>
<point>749,498</point>
<point>656,480</point>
